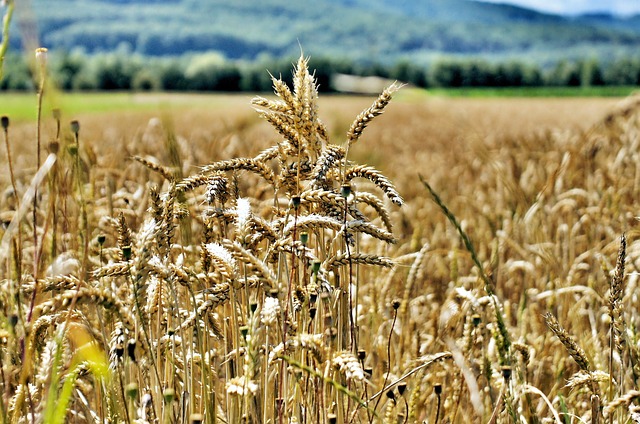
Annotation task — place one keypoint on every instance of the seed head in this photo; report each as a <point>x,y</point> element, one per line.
<point>362,354</point>
<point>270,311</point>
<point>168,395</point>
<point>345,190</point>
<point>132,390</point>
<point>402,387</point>
<point>75,127</point>
<point>131,350</point>
<point>576,352</point>
<point>41,63</point>
<point>506,372</point>
<point>347,363</point>
<point>54,147</point>
<point>196,419</point>
<point>126,252</point>
<point>41,56</point>
<point>241,386</point>
<point>243,211</point>
<point>295,202</point>
<point>244,330</point>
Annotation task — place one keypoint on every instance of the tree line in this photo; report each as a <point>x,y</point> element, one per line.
<point>212,72</point>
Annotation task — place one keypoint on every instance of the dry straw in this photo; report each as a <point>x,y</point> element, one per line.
<point>284,284</point>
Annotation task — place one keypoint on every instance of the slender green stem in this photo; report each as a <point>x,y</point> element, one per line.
<point>36,258</point>
<point>504,342</point>
<point>339,387</point>
<point>386,377</point>
<point>4,45</point>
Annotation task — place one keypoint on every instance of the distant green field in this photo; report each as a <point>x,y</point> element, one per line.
<point>22,106</point>
<point>617,91</point>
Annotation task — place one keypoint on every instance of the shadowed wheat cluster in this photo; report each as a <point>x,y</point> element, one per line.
<point>271,288</point>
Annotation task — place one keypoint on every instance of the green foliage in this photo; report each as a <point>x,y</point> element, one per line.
<point>625,71</point>
<point>115,72</point>
<point>414,30</point>
<point>123,70</point>
<point>17,75</point>
<point>4,41</point>
<point>103,44</point>
<point>212,73</point>
<point>479,73</point>
<point>66,68</point>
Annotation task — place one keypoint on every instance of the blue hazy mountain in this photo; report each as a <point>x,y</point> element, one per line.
<point>360,30</point>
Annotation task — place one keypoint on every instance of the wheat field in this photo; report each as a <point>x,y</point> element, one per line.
<point>294,259</point>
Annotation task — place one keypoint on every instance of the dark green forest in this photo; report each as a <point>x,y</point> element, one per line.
<point>122,70</point>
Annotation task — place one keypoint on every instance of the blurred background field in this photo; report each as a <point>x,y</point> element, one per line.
<point>421,120</point>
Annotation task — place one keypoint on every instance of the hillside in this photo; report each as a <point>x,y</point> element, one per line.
<point>364,30</point>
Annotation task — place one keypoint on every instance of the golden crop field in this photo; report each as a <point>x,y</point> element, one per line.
<point>300,260</point>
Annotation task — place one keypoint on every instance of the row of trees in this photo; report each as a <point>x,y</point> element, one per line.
<point>211,72</point>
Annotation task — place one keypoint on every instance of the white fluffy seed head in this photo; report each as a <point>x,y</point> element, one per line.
<point>349,365</point>
<point>241,386</point>
<point>146,231</point>
<point>64,264</point>
<point>219,251</point>
<point>156,262</point>
<point>270,311</point>
<point>243,211</point>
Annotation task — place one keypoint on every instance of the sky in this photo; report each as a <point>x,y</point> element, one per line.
<point>621,7</point>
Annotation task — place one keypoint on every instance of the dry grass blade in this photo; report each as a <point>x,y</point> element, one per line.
<point>222,260</point>
<point>616,296</point>
<point>273,105</point>
<point>378,206</point>
<point>503,338</point>
<point>312,222</point>
<point>420,364</point>
<point>330,159</point>
<point>286,129</point>
<point>150,163</point>
<point>244,164</point>
<point>411,278</point>
<point>625,401</point>
<point>576,352</point>
<point>583,378</point>
<point>378,179</point>
<point>357,258</point>
<point>321,196</point>
<point>244,256</point>
<point>370,229</point>
<point>367,115</point>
